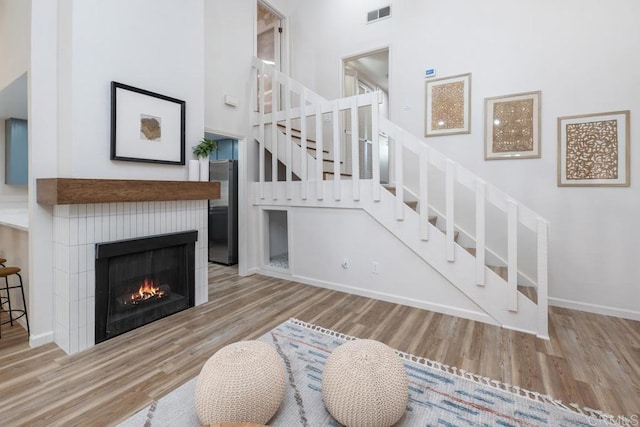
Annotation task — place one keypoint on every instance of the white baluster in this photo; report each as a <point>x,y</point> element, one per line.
<point>449,204</point>
<point>480,232</point>
<point>319,152</point>
<point>424,192</point>
<point>355,152</point>
<point>398,147</point>
<point>512,255</point>
<point>336,150</point>
<point>275,91</point>
<point>303,142</point>
<point>375,146</point>
<point>543,256</point>
<point>261,133</point>
<point>288,139</point>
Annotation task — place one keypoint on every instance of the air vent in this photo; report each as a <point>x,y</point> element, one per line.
<point>378,14</point>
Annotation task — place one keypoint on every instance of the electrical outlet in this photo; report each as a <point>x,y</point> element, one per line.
<point>346,263</point>
<point>375,267</point>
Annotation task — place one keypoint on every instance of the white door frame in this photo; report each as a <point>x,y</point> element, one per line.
<point>283,49</point>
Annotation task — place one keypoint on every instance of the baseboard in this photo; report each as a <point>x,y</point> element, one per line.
<point>383,296</point>
<point>595,308</point>
<point>40,339</point>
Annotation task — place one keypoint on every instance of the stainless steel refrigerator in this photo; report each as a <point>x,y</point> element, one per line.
<point>223,213</point>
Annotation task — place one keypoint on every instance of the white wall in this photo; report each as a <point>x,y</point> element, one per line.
<point>322,238</point>
<point>578,53</point>
<point>77,48</point>
<point>15,20</point>
<point>229,49</point>
<point>153,45</point>
<point>14,39</point>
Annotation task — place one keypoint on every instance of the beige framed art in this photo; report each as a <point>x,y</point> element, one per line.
<point>448,106</point>
<point>512,126</point>
<point>593,150</point>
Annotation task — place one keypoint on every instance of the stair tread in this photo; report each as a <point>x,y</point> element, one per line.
<point>530,292</point>
<point>325,174</point>
<point>413,204</point>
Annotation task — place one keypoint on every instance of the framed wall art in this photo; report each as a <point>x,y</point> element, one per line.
<point>146,126</point>
<point>593,150</point>
<point>512,126</point>
<point>448,106</point>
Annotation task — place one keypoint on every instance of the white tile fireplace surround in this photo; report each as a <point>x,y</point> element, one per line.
<point>77,228</point>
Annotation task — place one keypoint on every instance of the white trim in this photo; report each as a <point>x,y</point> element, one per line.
<point>243,206</point>
<point>228,134</point>
<point>383,296</point>
<point>284,65</point>
<point>595,308</point>
<point>361,54</point>
<point>251,272</point>
<point>40,339</point>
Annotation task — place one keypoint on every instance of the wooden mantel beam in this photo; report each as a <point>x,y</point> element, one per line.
<point>72,191</point>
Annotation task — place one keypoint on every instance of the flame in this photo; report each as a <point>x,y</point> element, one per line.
<point>147,290</point>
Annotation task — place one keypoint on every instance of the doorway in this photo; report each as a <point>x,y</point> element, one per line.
<point>270,44</point>
<point>364,73</point>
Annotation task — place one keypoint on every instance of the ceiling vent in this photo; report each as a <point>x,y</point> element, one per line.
<point>378,14</point>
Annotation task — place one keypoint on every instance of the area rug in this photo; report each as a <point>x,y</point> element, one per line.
<point>439,395</point>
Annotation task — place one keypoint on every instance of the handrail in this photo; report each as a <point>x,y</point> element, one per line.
<point>312,105</point>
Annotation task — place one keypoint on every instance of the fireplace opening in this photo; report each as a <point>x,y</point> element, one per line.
<point>142,280</point>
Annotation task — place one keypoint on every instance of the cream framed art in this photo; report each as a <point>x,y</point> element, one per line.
<point>512,126</point>
<point>593,150</point>
<point>448,106</point>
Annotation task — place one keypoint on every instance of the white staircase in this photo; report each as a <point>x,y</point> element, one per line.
<point>316,146</point>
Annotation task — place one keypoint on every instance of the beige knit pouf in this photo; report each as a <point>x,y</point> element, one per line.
<point>242,382</point>
<point>364,384</point>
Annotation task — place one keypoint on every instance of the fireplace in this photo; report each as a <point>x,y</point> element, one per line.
<point>142,280</point>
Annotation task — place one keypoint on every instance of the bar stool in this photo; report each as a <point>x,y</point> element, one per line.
<point>2,261</point>
<point>6,272</point>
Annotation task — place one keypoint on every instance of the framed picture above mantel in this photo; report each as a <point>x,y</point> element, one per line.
<point>146,126</point>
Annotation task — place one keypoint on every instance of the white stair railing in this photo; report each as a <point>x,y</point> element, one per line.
<point>312,106</point>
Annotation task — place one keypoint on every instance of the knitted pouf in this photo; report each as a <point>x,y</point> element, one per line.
<point>364,384</point>
<point>242,382</point>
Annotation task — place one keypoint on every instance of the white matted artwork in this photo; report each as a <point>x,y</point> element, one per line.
<point>448,106</point>
<point>593,150</point>
<point>146,126</point>
<point>512,126</point>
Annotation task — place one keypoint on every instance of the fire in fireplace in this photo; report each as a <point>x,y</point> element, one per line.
<point>139,281</point>
<point>147,293</point>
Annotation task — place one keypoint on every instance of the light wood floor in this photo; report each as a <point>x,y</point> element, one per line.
<point>592,360</point>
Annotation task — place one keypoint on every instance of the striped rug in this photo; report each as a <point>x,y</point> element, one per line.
<point>439,395</point>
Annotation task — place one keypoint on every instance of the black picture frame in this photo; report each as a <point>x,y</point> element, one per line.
<point>146,126</point>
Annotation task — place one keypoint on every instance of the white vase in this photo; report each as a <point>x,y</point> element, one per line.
<point>204,169</point>
<point>194,170</point>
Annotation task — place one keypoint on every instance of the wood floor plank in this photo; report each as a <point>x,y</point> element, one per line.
<point>591,360</point>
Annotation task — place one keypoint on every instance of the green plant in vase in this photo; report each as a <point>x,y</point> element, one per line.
<point>205,148</point>
<point>203,151</point>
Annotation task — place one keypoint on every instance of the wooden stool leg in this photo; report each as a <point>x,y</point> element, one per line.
<point>6,281</point>
<point>24,305</point>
